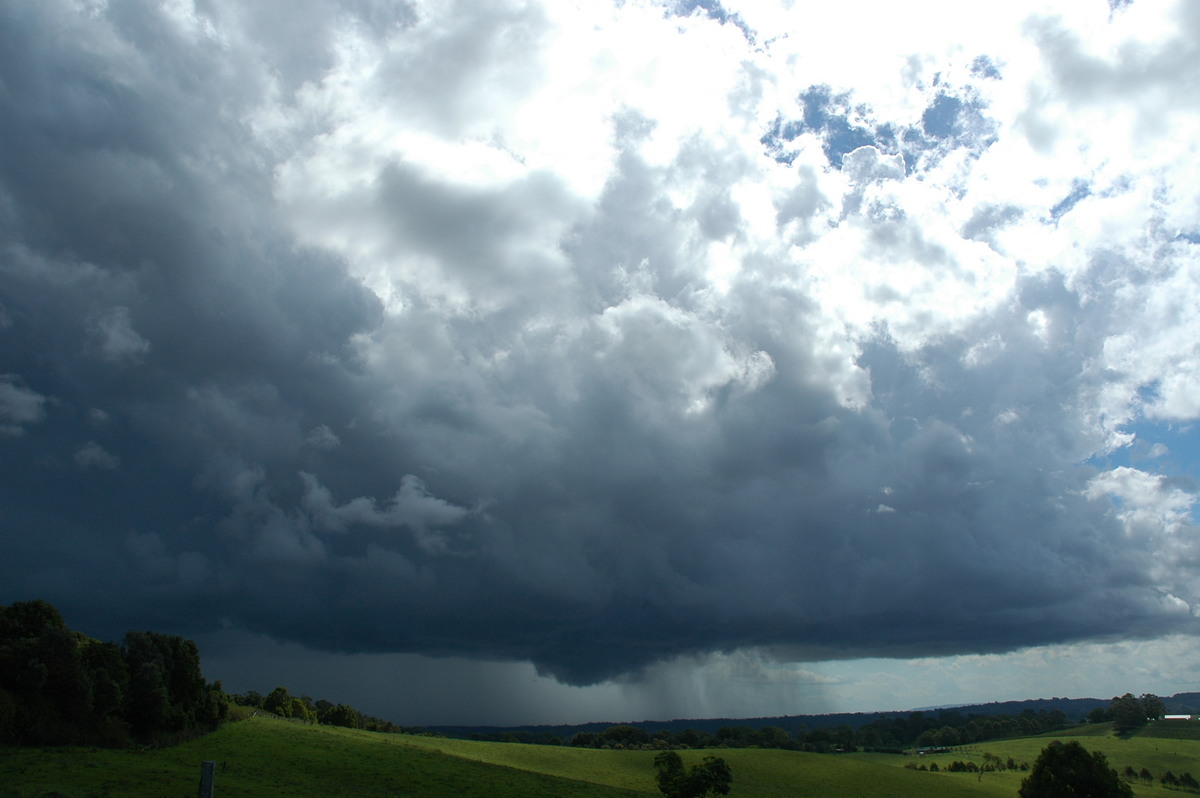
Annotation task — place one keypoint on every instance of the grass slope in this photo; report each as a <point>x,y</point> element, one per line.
<point>756,773</point>
<point>1157,754</point>
<point>1173,729</point>
<point>267,757</point>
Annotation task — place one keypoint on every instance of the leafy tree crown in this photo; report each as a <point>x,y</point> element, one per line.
<point>1068,770</point>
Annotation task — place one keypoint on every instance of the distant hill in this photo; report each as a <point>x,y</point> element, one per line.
<point>1183,704</point>
<point>1076,709</point>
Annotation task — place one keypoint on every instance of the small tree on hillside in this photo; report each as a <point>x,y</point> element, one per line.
<point>712,777</point>
<point>1068,770</point>
<point>991,763</point>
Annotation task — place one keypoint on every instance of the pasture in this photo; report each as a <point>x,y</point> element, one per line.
<point>269,757</point>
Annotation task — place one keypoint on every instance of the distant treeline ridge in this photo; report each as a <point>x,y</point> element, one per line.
<point>944,728</point>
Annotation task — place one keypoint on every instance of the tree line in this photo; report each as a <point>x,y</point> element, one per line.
<point>991,763</point>
<point>942,729</point>
<point>1184,781</point>
<point>303,708</point>
<point>949,728</point>
<point>60,687</point>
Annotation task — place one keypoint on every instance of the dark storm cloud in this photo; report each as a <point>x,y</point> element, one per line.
<point>591,464</point>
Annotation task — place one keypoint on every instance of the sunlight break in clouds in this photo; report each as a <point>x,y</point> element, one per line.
<point>653,357</point>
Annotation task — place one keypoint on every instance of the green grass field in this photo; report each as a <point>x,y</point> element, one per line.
<point>1149,749</point>
<point>268,757</point>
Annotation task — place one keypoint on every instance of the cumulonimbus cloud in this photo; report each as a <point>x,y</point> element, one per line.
<point>676,333</point>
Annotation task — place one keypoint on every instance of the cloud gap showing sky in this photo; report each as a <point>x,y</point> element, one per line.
<point>641,357</point>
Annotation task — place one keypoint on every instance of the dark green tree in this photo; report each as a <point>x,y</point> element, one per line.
<point>669,773</point>
<point>1132,713</point>
<point>1152,706</point>
<point>774,737</point>
<point>302,711</point>
<point>250,698</point>
<point>711,777</point>
<point>1068,770</point>
<point>279,701</point>
<point>28,619</point>
<point>585,739</point>
<point>624,735</point>
<point>109,674</point>
<point>167,691</point>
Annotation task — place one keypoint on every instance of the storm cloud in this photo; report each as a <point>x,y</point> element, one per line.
<point>600,337</point>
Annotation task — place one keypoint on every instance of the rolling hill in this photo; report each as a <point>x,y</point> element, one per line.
<point>265,756</point>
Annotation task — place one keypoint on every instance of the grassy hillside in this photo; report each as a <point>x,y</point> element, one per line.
<point>756,773</point>
<point>266,757</point>
<point>1173,729</point>
<point>270,758</point>
<point>1145,750</point>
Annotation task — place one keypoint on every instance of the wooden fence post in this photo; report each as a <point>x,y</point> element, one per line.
<point>206,778</point>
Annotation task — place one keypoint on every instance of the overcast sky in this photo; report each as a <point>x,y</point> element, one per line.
<point>511,362</point>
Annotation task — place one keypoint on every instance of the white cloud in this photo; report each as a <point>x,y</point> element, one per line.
<point>322,437</point>
<point>116,337</point>
<point>19,405</point>
<point>93,455</point>
<point>412,506</point>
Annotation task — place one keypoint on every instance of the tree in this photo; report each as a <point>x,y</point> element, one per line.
<point>279,701</point>
<point>342,715</point>
<point>991,763</point>
<point>712,777</point>
<point>585,739</point>
<point>625,736</point>
<point>167,691</point>
<point>1068,770</point>
<point>1152,706</point>
<point>28,619</point>
<point>1131,713</point>
<point>669,774</point>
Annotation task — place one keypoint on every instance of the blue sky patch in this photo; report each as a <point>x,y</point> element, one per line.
<point>714,11</point>
<point>984,67</point>
<point>1159,447</point>
<point>940,120</point>
<point>949,121</point>
<point>1080,191</point>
